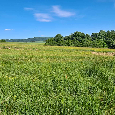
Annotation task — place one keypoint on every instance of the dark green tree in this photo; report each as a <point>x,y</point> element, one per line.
<point>100,40</point>
<point>2,40</point>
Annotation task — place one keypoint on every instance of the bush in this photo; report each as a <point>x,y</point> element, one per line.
<point>2,40</point>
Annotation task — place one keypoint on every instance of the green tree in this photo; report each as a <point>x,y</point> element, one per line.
<point>2,40</point>
<point>79,39</point>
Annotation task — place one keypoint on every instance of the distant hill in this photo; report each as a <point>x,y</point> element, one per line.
<point>35,39</point>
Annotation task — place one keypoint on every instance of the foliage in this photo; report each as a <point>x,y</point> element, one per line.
<point>51,80</point>
<point>100,40</point>
<point>2,40</point>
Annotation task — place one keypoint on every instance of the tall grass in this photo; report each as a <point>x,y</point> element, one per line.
<point>51,80</point>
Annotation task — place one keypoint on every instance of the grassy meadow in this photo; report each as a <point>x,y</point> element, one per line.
<point>56,80</point>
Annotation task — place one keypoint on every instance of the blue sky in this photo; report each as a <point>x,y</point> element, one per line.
<point>20,19</point>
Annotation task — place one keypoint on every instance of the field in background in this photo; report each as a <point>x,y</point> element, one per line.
<point>53,80</point>
<point>40,42</point>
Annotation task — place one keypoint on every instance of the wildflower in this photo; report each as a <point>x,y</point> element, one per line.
<point>66,76</point>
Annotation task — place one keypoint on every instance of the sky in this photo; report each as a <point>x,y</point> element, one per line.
<point>21,19</point>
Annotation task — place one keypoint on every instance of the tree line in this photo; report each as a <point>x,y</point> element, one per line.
<point>28,39</point>
<point>2,40</point>
<point>78,39</point>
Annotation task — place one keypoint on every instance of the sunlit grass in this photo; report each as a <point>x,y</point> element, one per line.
<point>38,79</point>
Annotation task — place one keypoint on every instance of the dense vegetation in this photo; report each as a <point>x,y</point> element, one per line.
<point>2,40</point>
<point>51,80</point>
<point>28,40</point>
<point>100,40</point>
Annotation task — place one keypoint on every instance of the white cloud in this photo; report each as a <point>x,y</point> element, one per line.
<point>42,17</point>
<point>61,13</point>
<point>8,29</point>
<point>42,35</point>
<point>45,17</point>
<point>28,9</point>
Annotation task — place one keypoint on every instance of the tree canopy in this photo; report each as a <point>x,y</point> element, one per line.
<point>100,40</point>
<point>2,40</point>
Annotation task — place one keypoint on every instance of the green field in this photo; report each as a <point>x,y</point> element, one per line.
<point>56,80</point>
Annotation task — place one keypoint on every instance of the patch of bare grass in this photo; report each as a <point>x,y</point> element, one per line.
<point>104,53</point>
